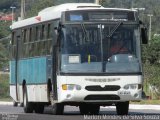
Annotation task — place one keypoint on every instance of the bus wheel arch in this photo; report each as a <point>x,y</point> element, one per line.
<point>122,108</point>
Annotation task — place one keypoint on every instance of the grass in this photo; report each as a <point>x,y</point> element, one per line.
<point>4,87</point>
<point>149,102</point>
<point>7,99</point>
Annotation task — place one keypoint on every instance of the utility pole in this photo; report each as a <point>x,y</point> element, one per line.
<point>131,3</point>
<point>22,9</point>
<point>12,7</point>
<point>97,1</point>
<point>150,26</point>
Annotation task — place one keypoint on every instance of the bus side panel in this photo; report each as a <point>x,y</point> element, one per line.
<point>12,72</point>
<point>12,80</point>
<point>34,72</point>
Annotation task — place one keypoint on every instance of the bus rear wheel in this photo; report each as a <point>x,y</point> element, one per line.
<point>57,109</point>
<point>28,107</point>
<point>15,104</point>
<point>39,108</point>
<point>122,108</point>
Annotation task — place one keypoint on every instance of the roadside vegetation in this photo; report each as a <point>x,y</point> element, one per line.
<point>147,102</point>
<point>4,87</point>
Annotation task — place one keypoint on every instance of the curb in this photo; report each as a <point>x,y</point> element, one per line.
<point>6,103</point>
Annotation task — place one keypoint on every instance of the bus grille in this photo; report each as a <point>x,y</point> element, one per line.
<point>106,88</point>
<point>102,97</point>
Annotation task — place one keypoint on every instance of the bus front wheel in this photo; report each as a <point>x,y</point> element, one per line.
<point>57,109</point>
<point>28,107</point>
<point>39,108</point>
<point>84,109</point>
<point>122,108</point>
<point>94,109</point>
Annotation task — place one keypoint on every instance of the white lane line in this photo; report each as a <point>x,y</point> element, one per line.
<point>144,107</point>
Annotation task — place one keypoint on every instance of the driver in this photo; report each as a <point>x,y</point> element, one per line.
<point>118,45</point>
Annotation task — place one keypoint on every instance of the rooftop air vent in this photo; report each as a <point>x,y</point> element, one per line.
<point>96,6</point>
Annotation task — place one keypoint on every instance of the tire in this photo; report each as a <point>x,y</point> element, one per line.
<point>84,110</point>
<point>15,104</point>
<point>94,109</point>
<point>39,108</point>
<point>122,108</point>
<point>28,107</point>
<point>57,109</point>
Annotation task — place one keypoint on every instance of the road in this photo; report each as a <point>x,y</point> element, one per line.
<point>8,112</point>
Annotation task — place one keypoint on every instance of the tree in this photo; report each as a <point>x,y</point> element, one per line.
<point>151,52</point>
<point>39,5</point>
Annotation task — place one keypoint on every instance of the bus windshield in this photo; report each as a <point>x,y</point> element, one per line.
<point>100,48</point>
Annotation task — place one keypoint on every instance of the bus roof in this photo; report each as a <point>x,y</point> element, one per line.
<point>54,12</point>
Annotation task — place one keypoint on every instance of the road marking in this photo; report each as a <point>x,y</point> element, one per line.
<point>140,107</point>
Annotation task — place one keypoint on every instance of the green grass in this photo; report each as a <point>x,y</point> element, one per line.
<point>4,87</point>
<point>7,99</point>
<point>149,102</point>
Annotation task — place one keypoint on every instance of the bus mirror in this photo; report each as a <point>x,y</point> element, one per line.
<point>144,35</point>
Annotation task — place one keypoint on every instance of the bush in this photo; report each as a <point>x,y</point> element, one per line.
<point>152,80</point>
<point>4,86</point>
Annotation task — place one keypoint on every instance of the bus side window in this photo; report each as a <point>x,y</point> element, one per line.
<point>30,34</point>
<point>32,47</point>
<point>13,43</point>
<point>24,36</point>
<point>48,31</point>
<point>39,32</point>
<point>49,40</point>
<point>13,38</point>
<point>42,32</point>
<point>36,49</point>
<point>36,33</point>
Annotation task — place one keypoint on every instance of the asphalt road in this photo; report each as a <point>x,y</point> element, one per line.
<point>8,112</point>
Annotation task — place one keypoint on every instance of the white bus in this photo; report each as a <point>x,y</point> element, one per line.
<point>78,54</point>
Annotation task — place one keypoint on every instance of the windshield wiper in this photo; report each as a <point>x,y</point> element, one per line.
<point>114,29</point>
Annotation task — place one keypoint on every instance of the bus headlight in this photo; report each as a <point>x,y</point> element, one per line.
<point>132,86</point>
<point>71,87</point>
<point>126,87</point>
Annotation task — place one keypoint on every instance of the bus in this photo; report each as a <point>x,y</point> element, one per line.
<point>78,54</point>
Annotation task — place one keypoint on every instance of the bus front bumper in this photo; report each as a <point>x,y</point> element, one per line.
<point>108,89</point>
